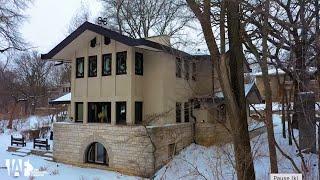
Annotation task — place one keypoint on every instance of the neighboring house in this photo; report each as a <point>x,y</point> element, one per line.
<point>133,101</point>
<point>63,105</point>
<point>279,80</point>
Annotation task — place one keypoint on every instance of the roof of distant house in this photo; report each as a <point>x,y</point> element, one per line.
<point>270,72</point>
<point>65,99</point>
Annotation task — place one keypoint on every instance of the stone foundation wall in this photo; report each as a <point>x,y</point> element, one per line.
<point>207,134</point>
<point>129,148</point>
<point>177,135</point>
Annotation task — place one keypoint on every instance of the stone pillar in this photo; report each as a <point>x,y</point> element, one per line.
<point>85,112</point>
<point>306,121</point>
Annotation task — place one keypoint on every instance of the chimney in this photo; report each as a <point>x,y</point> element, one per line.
<point>161,39</point>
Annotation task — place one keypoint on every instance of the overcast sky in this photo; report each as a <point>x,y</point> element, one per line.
<point>48,21</point>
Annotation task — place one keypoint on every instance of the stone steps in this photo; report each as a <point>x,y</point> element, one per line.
<point>48,155</point>
<point>48,159</point>
<point>27,151</point>
<point>20,154</point>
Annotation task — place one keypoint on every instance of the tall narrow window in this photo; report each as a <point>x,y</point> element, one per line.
<point>186,70</point>
<point>106,64</point>
<point>178,67</point>
<point>99,112</point>
<point>194,71</point>
<point>186,112</point>
<point>121,113</point>
<point>121,62</point>
<point>78,112</point>
<point>139,63</point>
<point>80,67</point>
<point>178,112</point>
<point>92,66</point>
<point>138,112</point>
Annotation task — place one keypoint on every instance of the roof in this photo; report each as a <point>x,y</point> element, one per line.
<point>249,89</point>
<point>65,99</point>
<point>113,35</point>
<point>270,72</point>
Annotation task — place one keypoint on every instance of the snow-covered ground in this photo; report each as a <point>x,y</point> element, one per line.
<point>54,170</point>
<point>198,162</point>
<point>194,162</point>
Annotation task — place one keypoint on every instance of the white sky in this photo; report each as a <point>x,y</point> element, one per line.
<point>48,21</point>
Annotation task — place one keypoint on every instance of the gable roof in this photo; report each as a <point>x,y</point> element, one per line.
<point>112,35</point>
<point>249,89</point>
<point>65,99</point>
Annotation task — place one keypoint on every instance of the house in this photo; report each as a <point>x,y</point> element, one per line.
<point>133,101</point>
<point>279,80</point>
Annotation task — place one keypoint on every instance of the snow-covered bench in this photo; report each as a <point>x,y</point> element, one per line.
<point>41,143</point>
<point>18,141</point>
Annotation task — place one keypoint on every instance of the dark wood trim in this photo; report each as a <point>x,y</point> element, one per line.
<point>113,35</point>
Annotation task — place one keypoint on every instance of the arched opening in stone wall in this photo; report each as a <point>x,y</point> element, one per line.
<point>96,153</point>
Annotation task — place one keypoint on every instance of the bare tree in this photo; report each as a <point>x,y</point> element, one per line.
<point>11,16</point>
<point>82,15</point>
<point>144,18</point>
<point>230,72</point>
<point>33,75</point>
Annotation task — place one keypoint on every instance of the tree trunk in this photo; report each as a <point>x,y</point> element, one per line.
<point>239,124</point>
<point>268,93</point>
<point>13,111</point>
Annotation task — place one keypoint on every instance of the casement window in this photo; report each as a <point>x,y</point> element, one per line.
<point>107,40</point>
<point>186,70</point>
<point>80,67</point>
<point>92,69</point>
<point>121,112</point>
<point>178,67</point>
<point>178,112</point>
<point>186,112</point>
<point>121,63</point>
<point>78,112</point>
<point>96,153</point>
<point>194,71</point>
<point>106,64</point>
<point>139,63</point>
<point>138,112</point>
<point>99,112</point>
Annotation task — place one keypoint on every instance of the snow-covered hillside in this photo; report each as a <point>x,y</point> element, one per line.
<point>198,162</point>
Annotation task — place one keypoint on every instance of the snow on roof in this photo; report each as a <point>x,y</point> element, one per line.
<point>270,72</point>
<point>63,99</point>
<point>247,88</point>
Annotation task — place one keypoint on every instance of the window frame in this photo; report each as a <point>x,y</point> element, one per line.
<point>178,112</point>
<point>99,106</point>
<point>140,70</point>
<point>89,65</point>
<point>93,150</point>
<point>103,63</point>
<point>178,67</point>
<point>78,61</point>
<point>186,70</point>
<point>194,71</point>
<point>76,112</point>
<point>138,116</point>
<point>118,112</point>
<point>118,72</point>
<point>186,112</point>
